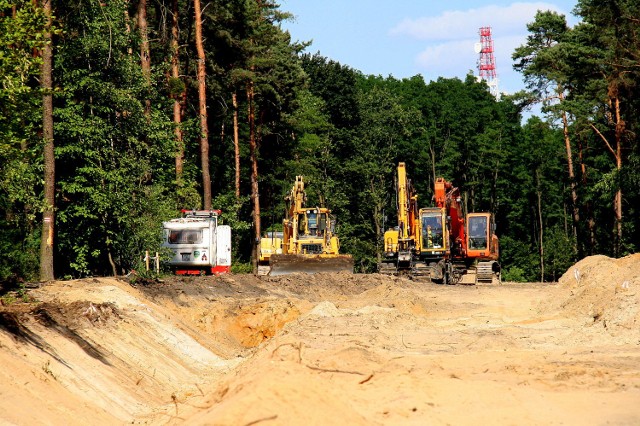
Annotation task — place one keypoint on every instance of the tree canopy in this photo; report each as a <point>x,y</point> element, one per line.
<point>562,186</point>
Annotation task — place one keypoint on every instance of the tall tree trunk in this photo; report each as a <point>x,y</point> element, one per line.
<point>572,177</point>
<point>145,57</point>
<point>236,141</point>
<point>614,103</point>
<point>540,223</point>
<point>378,218</point>
<point>178,99</point>
<point>48,220</point>
<point>588,210</point>
<point>255,198</point>
<point>202,101</point>
<point>591,222</point>
<point>493,197</point>
<point>432,153</point>
<point>620,129</point>
<point>127,26</point>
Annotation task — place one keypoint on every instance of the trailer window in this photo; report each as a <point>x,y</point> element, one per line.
<point>185,237</point>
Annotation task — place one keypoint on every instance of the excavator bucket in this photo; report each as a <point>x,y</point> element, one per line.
<point>283,264</point>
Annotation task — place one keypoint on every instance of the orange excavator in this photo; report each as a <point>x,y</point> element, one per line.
<point>474,244</point>
<point>440,242</point>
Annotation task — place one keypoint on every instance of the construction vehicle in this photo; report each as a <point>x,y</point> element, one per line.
<point>270,244</point>
<point>474,244</point>
<point>482,250</point>
<point>198,242</point>
<point>307,244</point>
<point>439,242</point>
<point>419,244</point>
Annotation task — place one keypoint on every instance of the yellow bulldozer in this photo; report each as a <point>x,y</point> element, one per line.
<point>307,243</point>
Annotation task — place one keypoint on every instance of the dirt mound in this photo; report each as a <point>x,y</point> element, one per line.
<point>108,354</point>
<point>324,349</point>
<point>605,291</point>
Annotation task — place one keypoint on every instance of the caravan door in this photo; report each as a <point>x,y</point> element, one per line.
<point>223,250</point>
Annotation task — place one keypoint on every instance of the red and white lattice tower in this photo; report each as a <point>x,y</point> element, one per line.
<point>487,62</point>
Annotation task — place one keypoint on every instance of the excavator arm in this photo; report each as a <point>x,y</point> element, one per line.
<point>401,243</point>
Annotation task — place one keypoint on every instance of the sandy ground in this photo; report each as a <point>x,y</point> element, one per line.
<point>326,349</point>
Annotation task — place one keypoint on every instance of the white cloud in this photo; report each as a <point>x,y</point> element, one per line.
<point>449,59</point>
<point>449,38</point>
<point>456,58</point>
<point>459,24</point>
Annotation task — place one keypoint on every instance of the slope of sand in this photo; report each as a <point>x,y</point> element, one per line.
<point>326,349</point>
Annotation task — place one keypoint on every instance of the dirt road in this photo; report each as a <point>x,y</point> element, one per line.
<point>326,349</point>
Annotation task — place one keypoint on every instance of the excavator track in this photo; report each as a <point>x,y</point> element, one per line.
<point>388,268</point>
<point>487,272</point>
<point>435,272</point>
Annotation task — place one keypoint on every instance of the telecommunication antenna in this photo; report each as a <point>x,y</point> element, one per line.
<point>487,62</point>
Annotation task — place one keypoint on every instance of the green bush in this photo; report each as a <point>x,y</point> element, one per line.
<point>242,268</point>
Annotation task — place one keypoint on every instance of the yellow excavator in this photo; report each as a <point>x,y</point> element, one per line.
<point>441,242</point>
<point>418,245</point>
<point>307,243</point>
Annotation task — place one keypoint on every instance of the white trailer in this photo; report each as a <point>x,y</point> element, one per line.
<point>199,245</point>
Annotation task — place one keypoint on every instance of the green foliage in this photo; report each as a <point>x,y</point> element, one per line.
<point>176,86</point>
<point>231,215</point>
<point>17,293</point>
<point>383,131</point>
<point>313,156</point>
<point>21,33</point>
<point>343,131</point>
<point>242,268</point>
<point>19,252</point>
<point>519,261</point>
<point>112,159</point>
<point>586,77</point>
<point>539,59</point>
<point>559,253</point>
<point>514,274</point>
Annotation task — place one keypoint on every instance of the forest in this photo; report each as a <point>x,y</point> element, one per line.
<point>116,114</point>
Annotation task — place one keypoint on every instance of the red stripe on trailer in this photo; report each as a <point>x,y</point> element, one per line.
<point>219,270</point>
<point>188,271</point>
<point>215,270</point>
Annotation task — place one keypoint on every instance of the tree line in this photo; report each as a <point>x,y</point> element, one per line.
<point>115,114</point>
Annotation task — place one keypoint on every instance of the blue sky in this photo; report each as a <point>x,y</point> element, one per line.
<point>403,38</point>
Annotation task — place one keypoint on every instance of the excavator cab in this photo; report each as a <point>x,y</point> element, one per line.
<point>477,233</point>
<point>432,244</point>
<point>481,239</point>
<point>433,229</point>
<point>482,247</point>
<point>312,222</point>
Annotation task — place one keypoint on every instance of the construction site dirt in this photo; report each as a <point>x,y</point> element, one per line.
<point>353,349</point>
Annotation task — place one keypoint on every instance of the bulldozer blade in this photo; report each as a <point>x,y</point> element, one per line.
<point>282,264</point>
